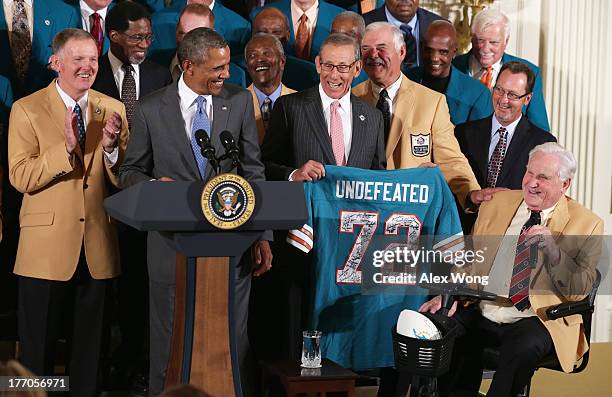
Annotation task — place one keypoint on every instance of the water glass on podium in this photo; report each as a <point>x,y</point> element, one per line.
<point>311,349</point>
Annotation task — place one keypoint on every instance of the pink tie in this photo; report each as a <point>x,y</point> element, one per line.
<point>337,137</point>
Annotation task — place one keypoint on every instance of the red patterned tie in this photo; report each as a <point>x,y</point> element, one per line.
<point>497,158</point>
<point>301,39</point>
<point>526,256</point>
<point>335,131</point>
<point>96,31</point>
<point>487,77</point>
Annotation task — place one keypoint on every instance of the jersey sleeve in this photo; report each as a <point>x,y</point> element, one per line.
<point>303,238</point>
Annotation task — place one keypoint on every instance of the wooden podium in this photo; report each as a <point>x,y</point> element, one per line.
<point>203,350</point>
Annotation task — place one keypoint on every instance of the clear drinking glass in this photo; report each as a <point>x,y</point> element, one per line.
<point>311,349</point>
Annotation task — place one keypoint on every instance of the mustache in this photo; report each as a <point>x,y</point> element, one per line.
<point>375,61</point>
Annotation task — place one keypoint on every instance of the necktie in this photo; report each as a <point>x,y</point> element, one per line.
<point>525,258</point>
<point>383,106</point>
<point>266,107</point>
<point>96,31</point>
<point>335,131</point>
<point>81,127</point>
<point>128,91</point>
<point>411,48</point>
<point>301,39</point>
<point>487,77</point>
<point>21,44</point>
<point>200,122</point>
<point>497,158</point>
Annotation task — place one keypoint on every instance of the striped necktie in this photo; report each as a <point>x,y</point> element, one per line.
<point>524,260</point>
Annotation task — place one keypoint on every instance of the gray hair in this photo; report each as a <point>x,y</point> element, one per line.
<point>340,39</point>
<point>277,44</point>
<point>398,36</point>
<point>355,18</point>
<point>490,17</point>
<point>60,39</point>
<point>567,161</point>
<point>197,42</point>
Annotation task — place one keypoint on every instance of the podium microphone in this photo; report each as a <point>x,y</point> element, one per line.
<point>207,149</point>
<point>231,150</point>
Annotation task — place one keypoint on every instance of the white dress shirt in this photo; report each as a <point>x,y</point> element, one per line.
<point>495,125</point>
<point>8,15</point>
<point>188,104</point>
<point>391,91</point>
<point>87,12</point>
<point>345,115</point>
<point>501,270</point>
<point>311,13</point>
<point>111,158</point>
<point>119,73</point>
<point>476,70</point>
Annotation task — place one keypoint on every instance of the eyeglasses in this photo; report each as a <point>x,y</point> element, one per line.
<point>137,38</point>
<point>328,67</point>
<point>511,95</point>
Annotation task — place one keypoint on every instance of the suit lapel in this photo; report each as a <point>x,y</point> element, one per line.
<point>404,105</point>
<point>482,141</point>
<point>316,119</point>
<point>559,218</point>
<point>173,126</point>
<point>359,130</point>
<point>518,144</point>
<point>107,79</point>
<point>95,123</point>
<point>42,33</point>
<point>56,108</point>
<point>261,131</point>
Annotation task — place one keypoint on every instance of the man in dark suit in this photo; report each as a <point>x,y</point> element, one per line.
<point>411,19</point>
<point>161,142</point>
<point>467,99</point>
<point>303,136</point>
<point>26,32</point>
<point>490,35</point>
<point>497,147</point>
<point>125,74</point>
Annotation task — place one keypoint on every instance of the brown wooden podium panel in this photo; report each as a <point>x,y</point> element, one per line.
<point>210,363</point>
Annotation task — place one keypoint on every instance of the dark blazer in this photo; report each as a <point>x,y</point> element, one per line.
<point>424,17</point>
<point>50,18</point>
<point>474,138</point>
<point>298,133</point>
<point>536,110</point>
<point>467,98</point>
<point>151,77</point>
<point>159,147</point>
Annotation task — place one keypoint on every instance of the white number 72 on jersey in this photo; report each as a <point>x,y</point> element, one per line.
<point>350,273</point>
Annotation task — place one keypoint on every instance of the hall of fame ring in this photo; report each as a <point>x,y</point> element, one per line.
<point>228,201</point>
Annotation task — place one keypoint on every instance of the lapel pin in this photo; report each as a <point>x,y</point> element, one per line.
<point>361,117</point>
<point>47,22</point>
<point>98,111</point>
<point>223,107</point>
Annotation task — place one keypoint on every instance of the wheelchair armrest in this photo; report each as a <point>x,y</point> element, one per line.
<point>568,308</point>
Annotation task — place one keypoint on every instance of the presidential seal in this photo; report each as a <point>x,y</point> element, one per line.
<point>227,201</point>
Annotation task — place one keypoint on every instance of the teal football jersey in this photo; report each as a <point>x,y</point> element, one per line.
<point>354,215</point>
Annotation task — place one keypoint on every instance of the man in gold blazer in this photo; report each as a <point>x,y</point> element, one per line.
<point>417,120</point>
<point>265,61</point>
<point>65,145</point>
<point>568,238</point>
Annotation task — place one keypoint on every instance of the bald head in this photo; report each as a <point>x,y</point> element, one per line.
<point>439,49</point>
<point>272,21</point>
<point>349,22</point>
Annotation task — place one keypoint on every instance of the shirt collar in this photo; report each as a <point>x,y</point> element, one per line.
<point>212,5</point>
<point>187,96</point>
<point>476,67</point>
<point>496,125</point>
<point>273,97</point>
<point>69,102</point>
<point>545,215</point>
<point>345,101</point>
<point>391,90</point>
<point>10,2</point>
<point>311,13</point>
<point>87,11</point>
<point>391,19</point>
<point>116,63</point>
